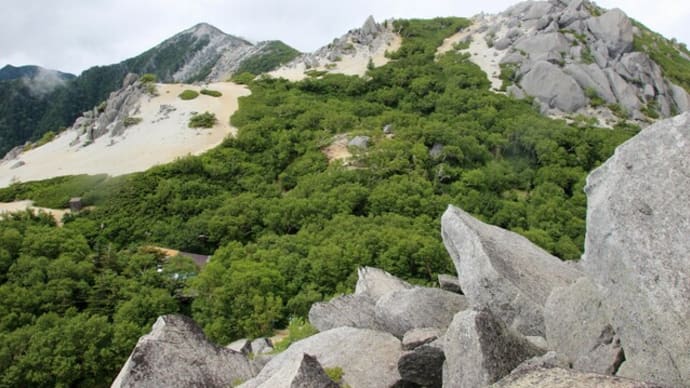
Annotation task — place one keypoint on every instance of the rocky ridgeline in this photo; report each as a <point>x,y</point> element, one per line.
<point>111,116</point>
<point>349,54</point>
<point>618,318</point>
<point>574,57</point>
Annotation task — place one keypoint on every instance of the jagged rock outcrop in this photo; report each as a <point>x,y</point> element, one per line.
<point>480,350</point>
<point>368,358</point>
<point>553,87</point>
<point>636,249</point>
<point>111,117</point>
<point>578,327</point>
<point>375,283</point>
<point>503,271</point>
<point>349,54</point>
<point>177,354</point>
<point>400,311</point>
<point>566,378</point>
<point>300,372</point>
<point>572,54</point>
<point>347,310</point>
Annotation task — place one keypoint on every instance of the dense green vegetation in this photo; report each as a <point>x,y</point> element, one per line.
<point>70,312</point>
<point>212,93</point>
<point>203,120</point>
<point>286,227</point>
<point>273,54</point>
<point>188,94</point>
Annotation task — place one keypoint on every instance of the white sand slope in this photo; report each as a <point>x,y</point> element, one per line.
<point>159,138</point>
<point>352,64</point>
<point>487,58</point>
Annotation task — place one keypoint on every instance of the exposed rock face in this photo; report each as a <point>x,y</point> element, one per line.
<point>418,337</point>
<point>400,311</point>
<point>368,358</point>
<point>359,142</point>
<point>636,249</point>
<point>548,360</point>
<point>615,29</point>
<point>480,350</point>
<point>347,310</point>
<point>591,56</point>
<point>503,271</point>
<point>578,326</point>
<point>553,87</point>
<point>177,354</point>
<point>375,283</point>
<point>111,117</point>
<point>212,55</point>
<point>300,372</point>
<point>423,366</point>
<point>566,378</point>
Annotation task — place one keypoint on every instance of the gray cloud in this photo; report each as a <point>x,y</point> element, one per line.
<point>72,35</point>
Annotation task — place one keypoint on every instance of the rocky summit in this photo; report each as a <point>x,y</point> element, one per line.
<point>573,56</point>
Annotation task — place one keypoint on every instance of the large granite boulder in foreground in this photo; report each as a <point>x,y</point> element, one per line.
<point>578,327</point>
<point>503,271</point>
<point>480,350</point>
<point>368,358</point>
<point>177,354</point>
<point>637,249</point>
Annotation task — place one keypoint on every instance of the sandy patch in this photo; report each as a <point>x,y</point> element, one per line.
<point>18,206</point>
<point>352,64</point>
<point>338,149</point>
<point>487,58</point>
<point>160,138</point>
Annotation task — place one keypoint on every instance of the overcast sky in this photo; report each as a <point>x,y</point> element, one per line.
<point>73,35</point>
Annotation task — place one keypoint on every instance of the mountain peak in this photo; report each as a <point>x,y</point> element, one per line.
<point>203,28</point>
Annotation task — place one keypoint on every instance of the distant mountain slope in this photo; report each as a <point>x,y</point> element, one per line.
<point>10,72</point>
<point>200,53</point>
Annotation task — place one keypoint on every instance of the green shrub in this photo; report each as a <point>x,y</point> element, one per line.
<point>148,77</point>
<point>335,373</point>
<point>244,78</point>
<point>189,94</point>
<point>203,120</point>
<point>298,329</point>
<point>130,121</point>
<point>212,93</point>
<point>46,138</point>
<point>594,99</point>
